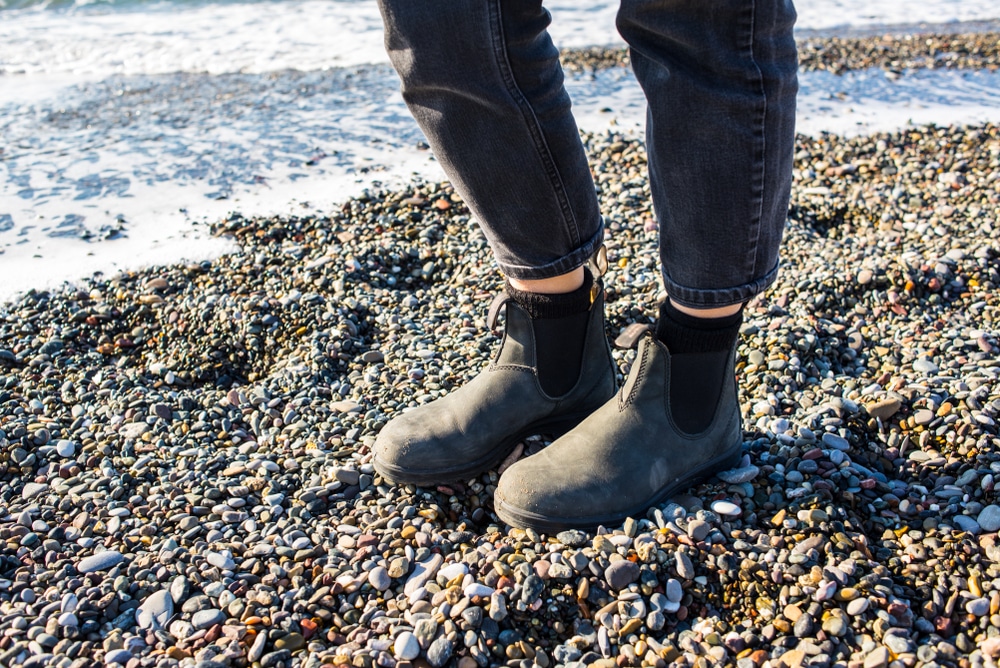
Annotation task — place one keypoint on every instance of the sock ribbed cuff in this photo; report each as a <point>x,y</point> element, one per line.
<point>683,333</point>
<point>539,305</point>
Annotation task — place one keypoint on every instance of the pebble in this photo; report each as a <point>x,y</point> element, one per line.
<point>223,560</point>
<point>832,440</point>
<point>573,538</point>
<point>206,618</point>
<point>726,508</point>
<point>878,657</point>
<point>156,610</point>
<point>101,561</point>
<point>684,566</point>
<point>119,656</point>
<point>858,606</point>
<point>439,652</point>
<point>476,589</point>
<point>697,530</point>
<point>379,578</point>
<point>422,573</point>
<point>884,409</point>
<point>989,518</point>
<point>65,448</point>
<point>739,475</point>
<point>424,630</point>
<point>978,607</point>
<point>620,574</point>
<point>674,591</point>
<point>966,523</point>
<point>406,646</point>
<point>33,489</point>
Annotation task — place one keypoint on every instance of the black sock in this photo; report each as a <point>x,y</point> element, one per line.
<point>559,323</point>
<point>699,353</point>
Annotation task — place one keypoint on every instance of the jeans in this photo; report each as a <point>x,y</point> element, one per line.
<point>483,80</point>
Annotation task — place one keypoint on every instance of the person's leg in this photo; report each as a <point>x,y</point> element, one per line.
<point>483,80</point>
<point>720,79</point>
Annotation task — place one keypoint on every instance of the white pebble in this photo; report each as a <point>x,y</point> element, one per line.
<point>726,508</point>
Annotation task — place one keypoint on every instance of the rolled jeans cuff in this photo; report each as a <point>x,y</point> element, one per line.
<point>562,265</point>
<point>699,298</point>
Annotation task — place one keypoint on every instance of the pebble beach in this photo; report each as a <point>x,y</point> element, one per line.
<point>185,474</point>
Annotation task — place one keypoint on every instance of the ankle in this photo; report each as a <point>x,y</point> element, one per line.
<point>554,305</point>
<point>716,312</point>
<point>555,285</point>
<point>684,333</point>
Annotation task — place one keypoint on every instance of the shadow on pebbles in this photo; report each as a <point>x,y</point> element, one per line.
<point>185,451</point>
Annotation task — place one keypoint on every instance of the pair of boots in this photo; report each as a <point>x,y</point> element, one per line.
<point>674,422</point>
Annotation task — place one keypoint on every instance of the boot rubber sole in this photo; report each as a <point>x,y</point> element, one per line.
<point>550,524</point>
<point>553,427</point>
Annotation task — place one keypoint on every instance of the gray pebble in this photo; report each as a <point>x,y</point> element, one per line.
<point>698,529</point>
<point>424,630</point>
<point>989,518</point>
<point>980,607</point>
<point>204,619</point>
<point>406,647</point>
<point>120,656</point>
<point>101,561</point>
<point>156,610</point>
<point>379,578</point>
<point>966,523</point>
<point>422,572</point>
<point>857,606</point>
<point>739,475</point>
<point>620,574</point>
<point>673,590</point>
<point>684,566</point>
<point>572,538</point>
<point>439,652</point>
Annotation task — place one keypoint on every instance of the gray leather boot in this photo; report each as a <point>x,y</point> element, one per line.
<point>472,429</point>
<point>627,456</point>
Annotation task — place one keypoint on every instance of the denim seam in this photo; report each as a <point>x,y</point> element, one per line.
<point>716,297</point>
<point>762,151</point>
<point>562,265</point>
<point>531,121</point>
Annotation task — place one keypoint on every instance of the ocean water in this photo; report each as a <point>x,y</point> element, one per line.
<point>126,126</point>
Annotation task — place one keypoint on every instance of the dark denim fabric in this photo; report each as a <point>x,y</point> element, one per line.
<point>483,80</point>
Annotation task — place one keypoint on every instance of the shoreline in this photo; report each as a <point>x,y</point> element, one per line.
<point>146,189</point>
<point>895,48</point>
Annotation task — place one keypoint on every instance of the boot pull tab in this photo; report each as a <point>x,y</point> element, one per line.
<point>630,336</point>
<point>598,262</point>
<point>494,312</point>
<point>598,265</point>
